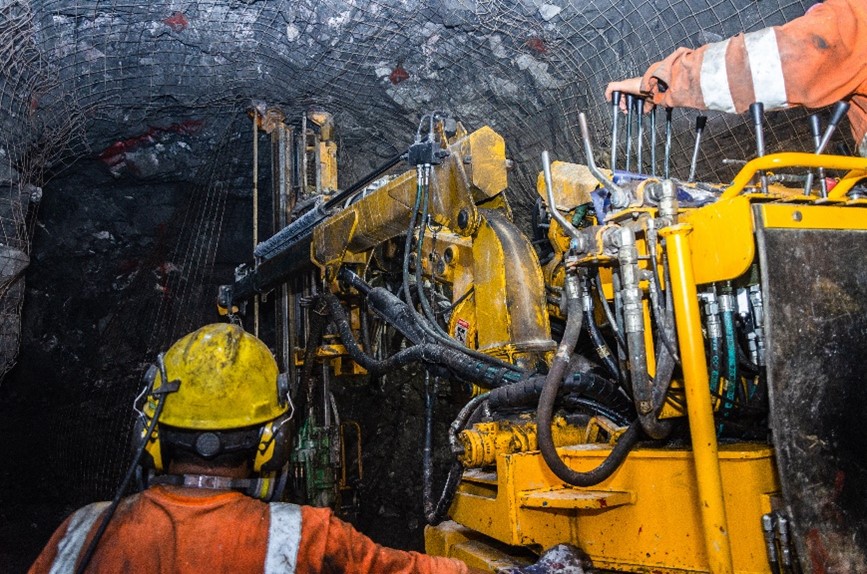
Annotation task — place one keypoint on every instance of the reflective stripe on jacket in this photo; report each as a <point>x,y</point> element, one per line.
<point>171,530</point>
<point>813,61</point>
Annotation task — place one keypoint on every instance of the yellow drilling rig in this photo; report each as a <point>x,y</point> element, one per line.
<point>667,375</point>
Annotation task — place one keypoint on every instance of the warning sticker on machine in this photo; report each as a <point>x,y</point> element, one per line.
<point>461,330</point>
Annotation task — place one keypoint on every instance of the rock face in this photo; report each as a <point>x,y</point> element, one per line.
<point>131,118</point>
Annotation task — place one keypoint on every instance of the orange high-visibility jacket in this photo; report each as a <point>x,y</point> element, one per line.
<point>167,530</point>
<point>813,61</point>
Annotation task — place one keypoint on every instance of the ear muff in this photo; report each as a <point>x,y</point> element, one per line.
<point>152,457</point>
<point>275,445</point>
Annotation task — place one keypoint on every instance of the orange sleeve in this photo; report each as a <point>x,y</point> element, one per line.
<point>330,545</point>
<point>49,553</point>
<point>822,58</point>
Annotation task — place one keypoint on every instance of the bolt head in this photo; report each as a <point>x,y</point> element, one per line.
<point>463,219</point>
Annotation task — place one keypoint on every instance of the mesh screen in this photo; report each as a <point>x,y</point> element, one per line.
<point>98,78</point>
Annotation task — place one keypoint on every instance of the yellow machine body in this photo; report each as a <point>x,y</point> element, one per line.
<point>490,267</point>
<point>645,518</point>
<point>692,506</point>
<point>668,510</point>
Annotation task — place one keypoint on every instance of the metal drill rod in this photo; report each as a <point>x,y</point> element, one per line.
<point>816,129</point>
<point>757,110</point>
<point>700,122</point>
<point>653,141</point>
<point>615,113</point>
<point>666,167</point>
<point>630,103</point>
<point>639,109</point>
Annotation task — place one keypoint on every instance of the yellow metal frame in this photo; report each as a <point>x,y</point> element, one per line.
<point>856,167</point>
<point>644,518</point>
<point>698,402</point>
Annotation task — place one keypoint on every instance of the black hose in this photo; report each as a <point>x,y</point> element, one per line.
<point>598,389</point>
<point>606,307</point>
<point>425,305</point>
<point>427,455</point>
<point>545,410</point>
<point>599,343</point>
<point>597,409</point>
<point>434,513</point>
<point>459,364</point>
<point>389,307</point>
<point>407,244</point>
<point>660,314</point>
<point>314,337</point>
<point>439,511</point>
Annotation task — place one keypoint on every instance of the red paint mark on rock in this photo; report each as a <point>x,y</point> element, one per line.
<point>177,22</point>
<point>114,154</point>
<point>398,75</point>
<point>816,550</point>
<point>536,44</point>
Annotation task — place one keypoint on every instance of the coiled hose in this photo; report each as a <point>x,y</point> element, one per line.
<point>545,410</point>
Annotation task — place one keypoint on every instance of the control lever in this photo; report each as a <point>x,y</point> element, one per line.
<point>816,130</point>
<point>618,197</point>
<point>630,104</point>
<point>666,168</point>
<point>840,110</point>
<point>700,122</point>
<point>653,141</point>
<point>822,141</point>
<point>615,113</point>
<point>757,110</point>
<point>639,109</point>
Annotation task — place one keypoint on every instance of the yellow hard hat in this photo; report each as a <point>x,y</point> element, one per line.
<point>228,380</point>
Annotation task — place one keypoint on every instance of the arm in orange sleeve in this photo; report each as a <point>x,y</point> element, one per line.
<point>330,545</point>
<point>811,61</point>
<point>49,553</point>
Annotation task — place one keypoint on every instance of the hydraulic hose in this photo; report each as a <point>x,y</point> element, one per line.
<point>407,244</point>
<point>434,513</point>
<point>599,344</point>
<point>545,410</point>
<point>427,458</point>
<point>463,366</point>
<point>419,284</point>
<point>726,301</point>
<point>656,297</point>
<point>604,396</point>
<point>609,314</point>
<point>633,325</point>
<point>651,423</point>
<point>385,304</point>
<point>714,335</point>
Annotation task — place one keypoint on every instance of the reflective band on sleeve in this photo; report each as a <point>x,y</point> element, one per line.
<point>284,537</point>
<point>69,547</point>
<point>715,80</point>
<point>766,69</point>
